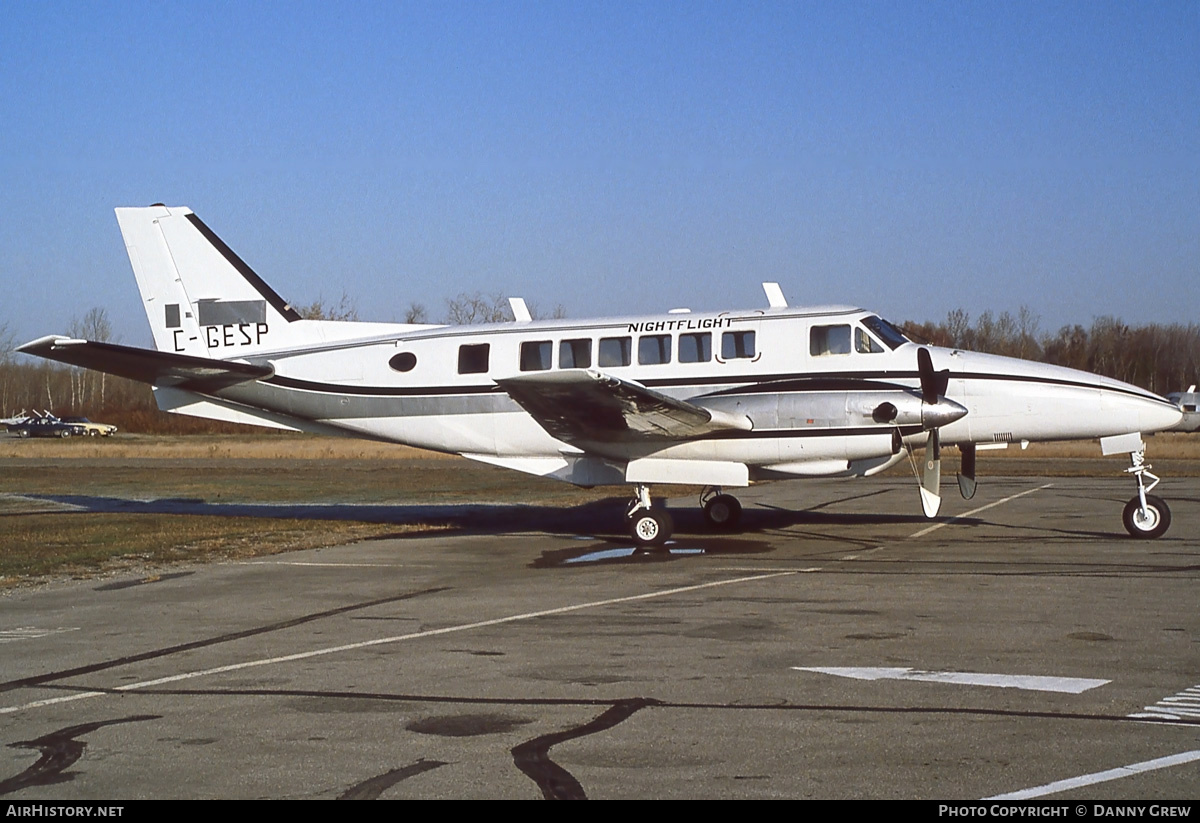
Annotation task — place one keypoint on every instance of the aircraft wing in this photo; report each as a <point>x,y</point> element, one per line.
<point>584,405</point>
<point>199,374</point>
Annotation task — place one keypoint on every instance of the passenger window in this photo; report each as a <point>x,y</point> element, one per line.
<point>615,351</point>
<point>473,359</point>
<point>535,355</point>
<point>695,348</point>
<point>736,345</point>
<point>654,349</point>
<point>864,343</point>
<point>404,361</point>
<point>575,354</point>
<point>825,340</point>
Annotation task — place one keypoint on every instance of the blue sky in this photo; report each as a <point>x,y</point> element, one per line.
<point>613,157</point>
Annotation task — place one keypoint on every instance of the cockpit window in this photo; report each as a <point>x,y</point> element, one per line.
<point>865,343</point>
<point>885,331</point>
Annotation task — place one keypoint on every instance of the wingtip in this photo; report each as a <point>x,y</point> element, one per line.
<point>47,342</point>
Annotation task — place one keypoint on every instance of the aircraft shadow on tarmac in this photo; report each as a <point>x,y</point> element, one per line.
<point>596,518</point>
<point>593,521</point>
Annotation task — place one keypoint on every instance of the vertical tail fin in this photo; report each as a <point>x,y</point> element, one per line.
<point>200,297</point>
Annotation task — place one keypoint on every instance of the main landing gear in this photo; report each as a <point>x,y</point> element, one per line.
<point>652,527</point>
<point>649,527</point>
<point>1145,516</point>
<point>722,511</point>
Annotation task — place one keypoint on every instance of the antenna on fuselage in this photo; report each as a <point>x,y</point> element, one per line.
<point>775,298</point>
<point>520,310</point>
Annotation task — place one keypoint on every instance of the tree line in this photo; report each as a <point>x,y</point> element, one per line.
<point>1158,357</point>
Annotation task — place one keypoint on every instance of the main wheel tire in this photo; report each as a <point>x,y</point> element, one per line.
<point>651,527</point>
<point>1154,523</point>
<point>65,433</point>
<point>723,512</point>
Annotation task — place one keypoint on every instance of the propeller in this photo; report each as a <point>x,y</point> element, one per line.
<point>966,473</point>
<point>936,411</point>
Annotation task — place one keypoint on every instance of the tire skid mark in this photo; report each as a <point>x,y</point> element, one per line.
<point>59,751</point>
<point>781,706</point>
<point>373,788</point>
<point>533,757</point>
<point>42,679</point>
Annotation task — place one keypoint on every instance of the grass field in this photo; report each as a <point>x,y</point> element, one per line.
<point>47,486</point>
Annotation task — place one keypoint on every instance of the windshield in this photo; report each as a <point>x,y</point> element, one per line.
<point>885,331</point>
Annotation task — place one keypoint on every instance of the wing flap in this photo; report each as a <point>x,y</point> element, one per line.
<point>199,374</point>
<point>584,405</point>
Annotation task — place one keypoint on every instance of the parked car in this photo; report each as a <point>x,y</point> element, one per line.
<point>47,426</point>
<point>92,429</point>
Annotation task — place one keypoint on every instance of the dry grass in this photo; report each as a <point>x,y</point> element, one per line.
<point>1171,446</point>
<point>77,544</point>
<point>190,447</point>
<point>43,482</point>
<point>46,535</point>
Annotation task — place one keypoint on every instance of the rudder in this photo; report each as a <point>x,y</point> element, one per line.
<point>200,298</point>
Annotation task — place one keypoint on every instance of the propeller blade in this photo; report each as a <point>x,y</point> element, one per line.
<point>966,474</point>
<point>933,383</point>
<point>931,477</point>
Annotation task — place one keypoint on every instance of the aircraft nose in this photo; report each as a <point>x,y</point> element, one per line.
<point>1146,412</point>
<point>1158,417</point>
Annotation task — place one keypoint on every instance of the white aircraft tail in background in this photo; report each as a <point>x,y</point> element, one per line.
<point>718,400</point>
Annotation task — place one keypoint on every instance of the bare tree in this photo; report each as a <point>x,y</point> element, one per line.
<point>343,310</point>
<point>88,386</point>
<point>559,312</point>
<point>476,307</point>
<point>416,313</point>
<point>95,325</point>
<point>8,342</point>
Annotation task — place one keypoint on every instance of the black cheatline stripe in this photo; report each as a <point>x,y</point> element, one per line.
<point>381,391</point>
<point>766,384</point>
<point>269,294</point>
<point>845,431</point>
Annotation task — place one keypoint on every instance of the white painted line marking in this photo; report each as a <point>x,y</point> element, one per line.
<point>330,565</point>
<point>31,633</point>
<point>498,621</point>
<point>809,570</point>
<point>1100,777</point>
<point>1176,707</point>
<point>1029,682</point>
<point>937,526</point>
<point>43,505</point>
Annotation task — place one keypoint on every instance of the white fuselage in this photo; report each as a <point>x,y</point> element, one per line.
<point>809,380</point>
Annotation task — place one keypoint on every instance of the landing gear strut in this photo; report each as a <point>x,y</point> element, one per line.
<point>647,525</point>
<point>1145,516</point>
<point>722,511</point>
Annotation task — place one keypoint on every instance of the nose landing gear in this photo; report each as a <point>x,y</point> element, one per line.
<point>1145,516</point>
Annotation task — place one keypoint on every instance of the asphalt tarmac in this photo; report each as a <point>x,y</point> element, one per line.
<point>841,646</point>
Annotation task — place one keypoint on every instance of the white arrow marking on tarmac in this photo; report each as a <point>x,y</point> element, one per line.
<point>1030,682</point>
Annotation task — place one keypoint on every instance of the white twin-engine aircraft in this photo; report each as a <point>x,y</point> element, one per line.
<point>715,400</point>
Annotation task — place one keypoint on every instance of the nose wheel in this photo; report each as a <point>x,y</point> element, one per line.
<point>1148,522</point>
<point>1145,516</point>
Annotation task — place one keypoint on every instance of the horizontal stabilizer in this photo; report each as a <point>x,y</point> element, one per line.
<point>583,405</point>
<point>199,374</point>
